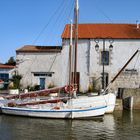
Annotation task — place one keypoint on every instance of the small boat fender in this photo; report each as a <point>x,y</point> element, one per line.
<point>56,108</point>
<point>69,88</point>
<point>12,104</point>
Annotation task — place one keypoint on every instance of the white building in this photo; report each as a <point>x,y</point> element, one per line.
<point>6,72</point>
<point>38,63</point>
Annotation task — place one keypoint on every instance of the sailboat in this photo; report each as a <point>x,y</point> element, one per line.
<point>64,107</point>
<point>59,107</point>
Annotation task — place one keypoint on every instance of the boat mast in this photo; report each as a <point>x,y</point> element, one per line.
<point>70,57</point>
<point>76,40</point>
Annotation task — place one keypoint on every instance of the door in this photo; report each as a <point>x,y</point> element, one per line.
<point>106,80</point>
<point>77,79</point>
<point>42,83</point>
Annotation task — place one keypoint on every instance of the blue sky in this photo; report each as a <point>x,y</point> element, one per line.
<point>41,22</point>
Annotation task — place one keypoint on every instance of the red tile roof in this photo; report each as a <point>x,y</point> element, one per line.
<point>116,31</point>
<point>2,66</point>
<point>31,48</point>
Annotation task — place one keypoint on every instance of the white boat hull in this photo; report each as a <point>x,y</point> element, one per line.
<point>65,113</point>
<point>110,99</point>
<point>80,107</point>
<point>83,106</point>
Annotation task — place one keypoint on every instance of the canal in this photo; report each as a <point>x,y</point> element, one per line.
<point>119,126</point>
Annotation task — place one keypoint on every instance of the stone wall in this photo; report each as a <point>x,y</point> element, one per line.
<point>119,105</point>
<point>136,96</point>
<point>127,80</point>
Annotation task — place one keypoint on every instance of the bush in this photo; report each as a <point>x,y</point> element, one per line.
<point>51,85</point>
<point>33,88</point>
<point>16,81</point>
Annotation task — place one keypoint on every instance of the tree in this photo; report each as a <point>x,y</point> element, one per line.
<point>16,81</point>
<point>11,61</point>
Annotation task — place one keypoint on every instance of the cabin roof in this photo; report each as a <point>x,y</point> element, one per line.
<point>116,31</point>
<point>31,48</point>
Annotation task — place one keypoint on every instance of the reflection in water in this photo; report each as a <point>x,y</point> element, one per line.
<point>117,126</point>
<point>128,125</point>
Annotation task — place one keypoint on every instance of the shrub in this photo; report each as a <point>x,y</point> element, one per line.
<point>51,85</point>
<point>16,81</point>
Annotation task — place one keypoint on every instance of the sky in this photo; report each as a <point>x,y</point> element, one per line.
<point>41,22</point>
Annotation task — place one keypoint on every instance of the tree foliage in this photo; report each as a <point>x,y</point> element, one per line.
<point>16,81</point>
<point>11,61</point>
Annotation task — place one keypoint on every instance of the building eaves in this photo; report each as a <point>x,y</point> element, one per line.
<point>39,49</point>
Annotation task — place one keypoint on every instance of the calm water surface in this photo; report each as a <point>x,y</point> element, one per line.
<point>119,126</point>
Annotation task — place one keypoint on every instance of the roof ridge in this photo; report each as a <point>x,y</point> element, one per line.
<point>105,24</point>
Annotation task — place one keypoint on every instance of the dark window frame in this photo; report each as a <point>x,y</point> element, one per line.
<point>43,74</point>
<point>105,58</point>
<point>49,75</point>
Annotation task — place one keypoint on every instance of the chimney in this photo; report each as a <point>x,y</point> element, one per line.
<point>137,22</point>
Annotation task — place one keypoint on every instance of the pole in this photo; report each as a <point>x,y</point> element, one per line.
<point>76,41</point>
<point>70,57</point>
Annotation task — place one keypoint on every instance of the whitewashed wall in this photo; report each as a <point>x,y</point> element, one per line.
<point>82,64</point>
<point>90,67</point>
<point>122,50</point>
<point>39,62</point>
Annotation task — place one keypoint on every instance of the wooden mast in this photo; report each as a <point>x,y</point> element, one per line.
<point>70,57</point>
<point>76,41</point>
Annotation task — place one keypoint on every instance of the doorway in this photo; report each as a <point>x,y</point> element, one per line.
<point>106,79</point>
<point>42,83</point>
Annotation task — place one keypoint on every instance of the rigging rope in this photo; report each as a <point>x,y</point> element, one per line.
<point>103,13</point>
<point>41,33</point>
<point>49,21</point>
<point>64,12</point>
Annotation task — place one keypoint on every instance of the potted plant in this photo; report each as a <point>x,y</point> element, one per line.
<point>14,85</point>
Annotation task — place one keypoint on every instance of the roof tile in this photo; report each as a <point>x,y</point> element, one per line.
<point>31,48</point>
<point>3,66</point>
<point>116,31</point>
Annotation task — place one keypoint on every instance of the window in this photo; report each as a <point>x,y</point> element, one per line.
<point>4,76</point>
<point>105,57</point>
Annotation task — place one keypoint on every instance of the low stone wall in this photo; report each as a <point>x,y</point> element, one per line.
<point>119,105</point>
<point>136,96</point>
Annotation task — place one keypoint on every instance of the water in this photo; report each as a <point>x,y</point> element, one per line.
<point>119,126</point>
